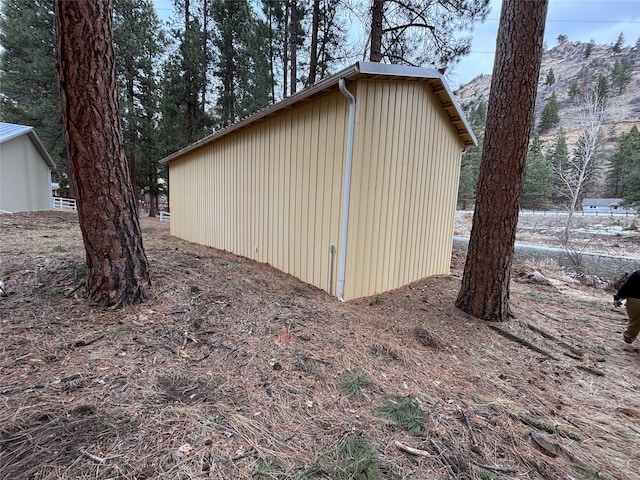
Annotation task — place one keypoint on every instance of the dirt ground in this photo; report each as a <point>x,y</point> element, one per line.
<point>234,370</point>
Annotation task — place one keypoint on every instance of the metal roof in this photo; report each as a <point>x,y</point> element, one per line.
<point>9,131</point>
<point>359,70</point>
<point>602,202</point>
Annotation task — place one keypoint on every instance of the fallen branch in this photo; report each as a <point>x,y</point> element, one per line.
<point>411,450</point>
<point>548,336</point>
<point>521,341</point>
<point>545,426</point>
<point>75,289</point>
<point>548,316</point>
<point>598,373</point>
<point>92,457</point>
<point>448,461</point>
<point>466,421</point>
<point>571,355</point>
<point>83,343</point>
<point>497,468</point>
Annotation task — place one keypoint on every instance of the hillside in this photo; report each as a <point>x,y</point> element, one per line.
<point>569,65</point>
<point>234,370</point>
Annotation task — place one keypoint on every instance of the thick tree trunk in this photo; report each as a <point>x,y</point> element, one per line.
<point>117,268</point>
<point>376,30</point>
<point>485,284</point>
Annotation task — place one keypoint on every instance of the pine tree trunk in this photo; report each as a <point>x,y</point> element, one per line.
<point>132,132</point>
<point>293,46</point>
<point>485,284</point>
<point>313,54</point>
<point>117,267</point>
<point>376,31</point>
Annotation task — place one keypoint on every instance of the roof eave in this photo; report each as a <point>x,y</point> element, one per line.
<point>360,69</point>
<point>40,147</point>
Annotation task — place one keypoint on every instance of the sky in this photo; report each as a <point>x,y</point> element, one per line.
<point>580,20</point>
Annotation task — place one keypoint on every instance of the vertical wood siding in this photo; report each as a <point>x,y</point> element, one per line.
<point>271,192</point>
<point>405,183</point>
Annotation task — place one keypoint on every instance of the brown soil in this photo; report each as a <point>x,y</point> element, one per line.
<point>233,369</point>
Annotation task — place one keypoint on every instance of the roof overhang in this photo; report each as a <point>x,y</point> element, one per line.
<point>360,70</point>
<point>10,131</point>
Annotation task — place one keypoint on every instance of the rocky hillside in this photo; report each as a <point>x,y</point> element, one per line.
<point>570,66</point>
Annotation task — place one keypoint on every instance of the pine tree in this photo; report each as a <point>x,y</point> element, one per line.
<point>470,163</point>
<point>602,89</point>
<point>574,89</point>
<point>117,267</point>
<point>617,47</point>
<point>537,189</point>
<point>185,79</point>
<point>624,175</point>
<point>423,33</point>
<point>558,158</point>
<point>622,74</point>
<point>138,42</point>
<point>551,78</point>
<point>241,65</point>
<point>484,292</point>
<point>329,34</point>
<point>550,114</point>
<point>28,75</point>
<point>274,12</point>
<point>588,48</point>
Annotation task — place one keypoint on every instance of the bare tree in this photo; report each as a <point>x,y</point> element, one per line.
<point>117,267</point>
<point>576,175</point>
<point>485,284</point>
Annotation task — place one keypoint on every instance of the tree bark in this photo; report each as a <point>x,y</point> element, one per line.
<point>132,130</point>
<point>485,284</point>
<point>376,30</point>
<point>313,54</point>
<point>293,46</point>
<point>117,267</point>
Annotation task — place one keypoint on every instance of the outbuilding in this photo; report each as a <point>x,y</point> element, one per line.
<point>25,170</point>
<point>606,205</point>
<point>349,185</point>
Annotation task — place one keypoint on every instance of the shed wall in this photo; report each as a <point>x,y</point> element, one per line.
<point>25,180</point>
<point>405,184</point>
<point>271,192</point>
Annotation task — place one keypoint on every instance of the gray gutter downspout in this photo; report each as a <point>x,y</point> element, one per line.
<point>342,248</point>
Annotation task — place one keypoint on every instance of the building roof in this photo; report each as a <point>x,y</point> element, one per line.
<point>602,202</point>
<point>364,70</point>
<point>9,131</point>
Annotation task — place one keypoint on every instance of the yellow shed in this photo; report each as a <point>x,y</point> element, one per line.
<point>349,185</point>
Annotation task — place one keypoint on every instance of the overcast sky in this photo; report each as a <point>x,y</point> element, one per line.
<point>582,20</point>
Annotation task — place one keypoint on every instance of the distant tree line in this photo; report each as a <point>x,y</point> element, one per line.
<point>215,62</point>
<point>557,176</point>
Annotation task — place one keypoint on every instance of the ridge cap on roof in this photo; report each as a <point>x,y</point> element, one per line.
<point>355,70</point>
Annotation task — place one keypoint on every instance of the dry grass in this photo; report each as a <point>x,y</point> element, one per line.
<point>232,369</point>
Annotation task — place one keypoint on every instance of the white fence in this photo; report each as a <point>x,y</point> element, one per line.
<point>59,203</point>
<point>165,216</point>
